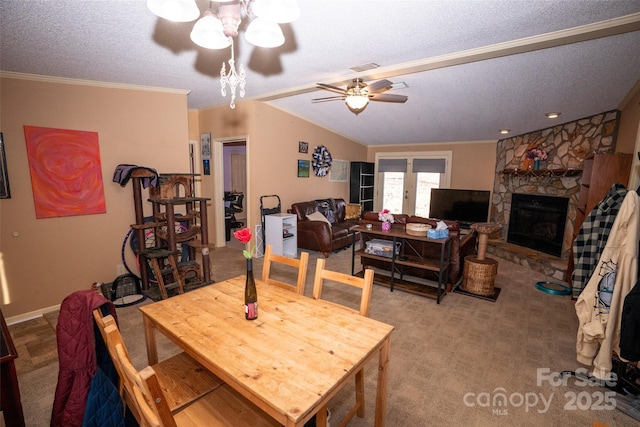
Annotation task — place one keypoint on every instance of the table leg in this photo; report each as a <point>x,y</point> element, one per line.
<point>383,376</point>
<point>321,416</point>
<point>393,262</point>
<point>150,337</point>
<point>353,252</point>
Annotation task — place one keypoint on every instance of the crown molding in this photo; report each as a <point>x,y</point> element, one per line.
<point>94,83</point>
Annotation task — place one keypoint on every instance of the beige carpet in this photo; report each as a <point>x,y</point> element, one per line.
<point>450,362</point>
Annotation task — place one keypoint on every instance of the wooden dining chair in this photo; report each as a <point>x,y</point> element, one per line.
<point>182,378</point>
<point>365,284</point>
<point>300,264</point>
<point>221,407</point>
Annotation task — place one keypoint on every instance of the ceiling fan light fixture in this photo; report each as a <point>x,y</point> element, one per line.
<point>278,11</point>
<point>356,101</point>
<point>175,10</point>
<point>263,33</point>
<point>207,32</point>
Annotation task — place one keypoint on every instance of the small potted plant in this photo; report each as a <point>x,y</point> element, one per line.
<point>536,154</point>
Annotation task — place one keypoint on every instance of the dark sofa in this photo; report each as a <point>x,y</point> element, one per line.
<point>319,235</point>
<point>462,245</point>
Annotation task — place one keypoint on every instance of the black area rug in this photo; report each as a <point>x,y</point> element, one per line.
<point>491,297</point>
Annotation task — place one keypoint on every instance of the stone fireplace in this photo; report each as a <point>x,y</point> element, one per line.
<point>567,145</point>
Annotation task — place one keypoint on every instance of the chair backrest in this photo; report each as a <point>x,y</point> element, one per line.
<point>301,264</point>
<point>364,283</point>
<point>103,322</point>
<point>236,204</point>
<point>143,387</point>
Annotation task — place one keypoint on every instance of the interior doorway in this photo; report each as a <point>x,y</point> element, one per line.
<point>230,181</point>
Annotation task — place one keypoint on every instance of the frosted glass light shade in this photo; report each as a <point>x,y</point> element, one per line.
<point>279,11</point>
<point>357,102</point>
<point>207,32</point>
<point>175,10</point>
<point>262,33</point>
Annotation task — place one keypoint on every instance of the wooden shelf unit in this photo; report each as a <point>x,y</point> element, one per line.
<point>407,257</point>
<point>361,184</point>
<point>282,234</point>
<point>599,174</point>
<point>174,190</point>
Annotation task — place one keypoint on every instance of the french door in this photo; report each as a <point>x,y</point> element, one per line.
<point>404,181</point>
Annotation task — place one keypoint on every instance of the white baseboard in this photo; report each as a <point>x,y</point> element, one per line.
<point>31,315</point>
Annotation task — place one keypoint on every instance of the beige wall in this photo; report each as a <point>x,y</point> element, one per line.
<point>472,164</point>
<point>50,258</point>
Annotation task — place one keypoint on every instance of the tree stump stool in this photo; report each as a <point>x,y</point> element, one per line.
<point>479,271</point>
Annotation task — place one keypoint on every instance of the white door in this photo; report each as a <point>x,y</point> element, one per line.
<point>405,181</point>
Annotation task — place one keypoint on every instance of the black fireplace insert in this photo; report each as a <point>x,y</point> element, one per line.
<point>538,222</point>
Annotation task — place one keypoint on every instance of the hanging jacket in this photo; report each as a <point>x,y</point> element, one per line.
<point>599,307</point>
<point>593,236</point>
<point>77,355</point>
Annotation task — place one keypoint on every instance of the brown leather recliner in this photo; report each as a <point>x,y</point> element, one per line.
<point>461,246</point>
<point>319,235</point>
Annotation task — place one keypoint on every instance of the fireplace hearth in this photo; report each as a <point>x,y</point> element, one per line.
<point>538,222</point>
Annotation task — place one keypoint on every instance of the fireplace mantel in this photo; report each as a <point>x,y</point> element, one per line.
<point>557,173</point>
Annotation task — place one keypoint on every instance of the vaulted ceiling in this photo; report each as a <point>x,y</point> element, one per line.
<point>470,67</point>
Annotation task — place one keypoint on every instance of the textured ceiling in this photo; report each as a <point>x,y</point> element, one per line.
<point>471,67</point>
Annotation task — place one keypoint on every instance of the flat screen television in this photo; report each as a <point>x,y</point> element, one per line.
<point>465,206</point>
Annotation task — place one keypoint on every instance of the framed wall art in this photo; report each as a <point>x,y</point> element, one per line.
<point>66,172</point>
<point>205,145</point>
<point>303,147</point>
<point>303,168</point>
<point>339,171</point>
<point>5,192</point>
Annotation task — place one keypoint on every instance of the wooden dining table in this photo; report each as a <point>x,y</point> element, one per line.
<point>290,361</point>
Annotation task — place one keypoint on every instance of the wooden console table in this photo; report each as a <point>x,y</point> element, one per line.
<point>408,257</point>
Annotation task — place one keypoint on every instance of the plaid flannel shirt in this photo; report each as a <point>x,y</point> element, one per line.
<point>593,236</point>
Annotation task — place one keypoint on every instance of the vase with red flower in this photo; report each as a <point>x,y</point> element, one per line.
<point>250,292</point>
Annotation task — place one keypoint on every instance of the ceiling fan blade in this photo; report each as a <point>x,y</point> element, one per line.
<point>389,97</point>
<point>328,98</point>
<point>331,88</point>
<point>380,85</point>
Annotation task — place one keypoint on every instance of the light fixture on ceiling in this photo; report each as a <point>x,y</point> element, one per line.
<point>505,131</point>
<point>216,30</point>
<point>357,96</point>
<point>553,115</point>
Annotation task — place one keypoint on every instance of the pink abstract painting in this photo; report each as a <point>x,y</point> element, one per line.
<point>66,174</point>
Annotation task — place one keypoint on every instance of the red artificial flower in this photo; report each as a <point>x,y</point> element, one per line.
<point>243,235</point>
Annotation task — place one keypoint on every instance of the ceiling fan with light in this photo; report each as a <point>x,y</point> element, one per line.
<point>358,94</point>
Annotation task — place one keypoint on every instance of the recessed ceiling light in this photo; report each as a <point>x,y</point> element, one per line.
<point>505,131</point>
<point>552,115</point>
